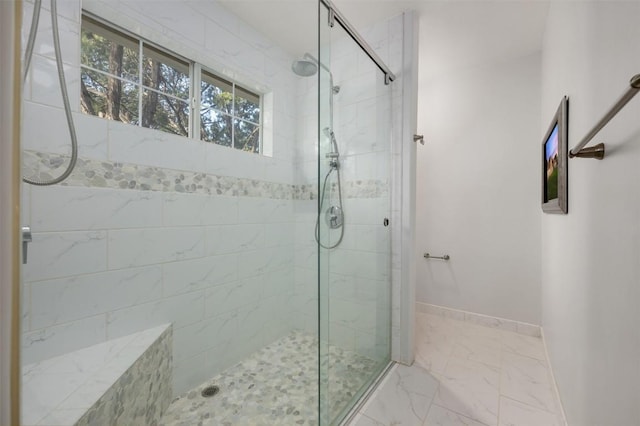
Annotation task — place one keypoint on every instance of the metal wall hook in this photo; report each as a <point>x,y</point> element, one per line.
<point>419,138</point>
<point>429,256</point>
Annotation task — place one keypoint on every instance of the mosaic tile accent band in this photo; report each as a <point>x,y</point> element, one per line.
<point>277,385</point>
<point>113,175</point>
<point>142,394</point>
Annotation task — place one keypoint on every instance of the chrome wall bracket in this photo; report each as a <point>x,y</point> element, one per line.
<point>596,151</point>
<point>429,256</point>
<point>419,138</point>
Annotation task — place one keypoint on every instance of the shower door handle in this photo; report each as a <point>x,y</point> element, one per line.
<point>26,239</point>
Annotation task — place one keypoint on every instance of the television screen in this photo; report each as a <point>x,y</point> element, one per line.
<point>551,165</point>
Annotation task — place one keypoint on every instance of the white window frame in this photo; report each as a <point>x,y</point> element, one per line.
<point>195,84</point>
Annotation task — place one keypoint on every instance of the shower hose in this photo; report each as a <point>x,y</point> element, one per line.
<point>63,86</point>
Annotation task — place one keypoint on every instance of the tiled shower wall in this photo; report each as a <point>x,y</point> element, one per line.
<point>154,228</point>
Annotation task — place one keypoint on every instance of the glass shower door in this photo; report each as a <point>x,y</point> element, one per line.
<point>353,230</point>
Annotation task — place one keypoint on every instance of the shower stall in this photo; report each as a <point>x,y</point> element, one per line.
<point>229,203</point>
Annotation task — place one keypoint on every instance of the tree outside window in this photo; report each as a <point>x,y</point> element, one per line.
<point>126,79</point>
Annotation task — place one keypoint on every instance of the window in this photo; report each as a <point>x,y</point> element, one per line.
<point>229,114</point>
<point>127,79</point>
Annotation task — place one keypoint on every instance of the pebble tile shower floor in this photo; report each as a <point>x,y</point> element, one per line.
<point>275,386</point>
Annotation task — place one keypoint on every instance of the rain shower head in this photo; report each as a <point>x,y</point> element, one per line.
<point>308,66</point>
<point>304,68</point>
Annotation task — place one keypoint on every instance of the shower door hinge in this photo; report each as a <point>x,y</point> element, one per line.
<point>332,18</point>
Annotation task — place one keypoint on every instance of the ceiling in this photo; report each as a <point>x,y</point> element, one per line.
<point>453,34</point>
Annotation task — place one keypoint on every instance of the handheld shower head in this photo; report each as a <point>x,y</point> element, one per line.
<point>334,154</point>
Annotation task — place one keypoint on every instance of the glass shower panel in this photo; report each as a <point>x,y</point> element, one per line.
<point>165,239</point>
<point>354,233</point>
<point>324,176</point>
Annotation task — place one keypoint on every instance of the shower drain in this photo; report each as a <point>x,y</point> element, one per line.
<point>210,391</point>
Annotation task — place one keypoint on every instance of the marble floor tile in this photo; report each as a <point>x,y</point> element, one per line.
<point>435,324</point>
<point>487,376</point>
<point>527,380</point>
<point>433,355</point>
<point>362,420</point>
<point>477,334</point>
<point>440,416</point>
<point>514,413</point>
<point>470,388</point>
<point>479,352</point>
<point>523,345</point>
<point>403,397</point>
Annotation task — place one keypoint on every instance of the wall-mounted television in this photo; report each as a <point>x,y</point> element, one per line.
<point>554,162</point>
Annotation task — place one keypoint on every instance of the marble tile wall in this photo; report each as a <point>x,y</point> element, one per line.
<point>264,67</point>
<point>108,262</point>
<point>154,228</point>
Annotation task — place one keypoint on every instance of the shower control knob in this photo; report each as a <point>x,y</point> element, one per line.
<point>385,222</point>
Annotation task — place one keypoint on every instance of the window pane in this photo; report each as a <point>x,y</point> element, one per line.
<point>108,50</point>
<point>247,105</point>
<point>165,73</point>
<point>108,97</point>
<point>165,113</point>
<point>215,126</point>
<point>247,136</point>
<point>216,93</point>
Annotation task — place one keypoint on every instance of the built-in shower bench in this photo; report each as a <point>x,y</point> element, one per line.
<point>125,381</point>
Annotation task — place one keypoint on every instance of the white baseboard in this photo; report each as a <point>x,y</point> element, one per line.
<point>479,319</point>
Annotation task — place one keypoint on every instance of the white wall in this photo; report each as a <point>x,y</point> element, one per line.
<point>478,189</point>
<point>591,257</point>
